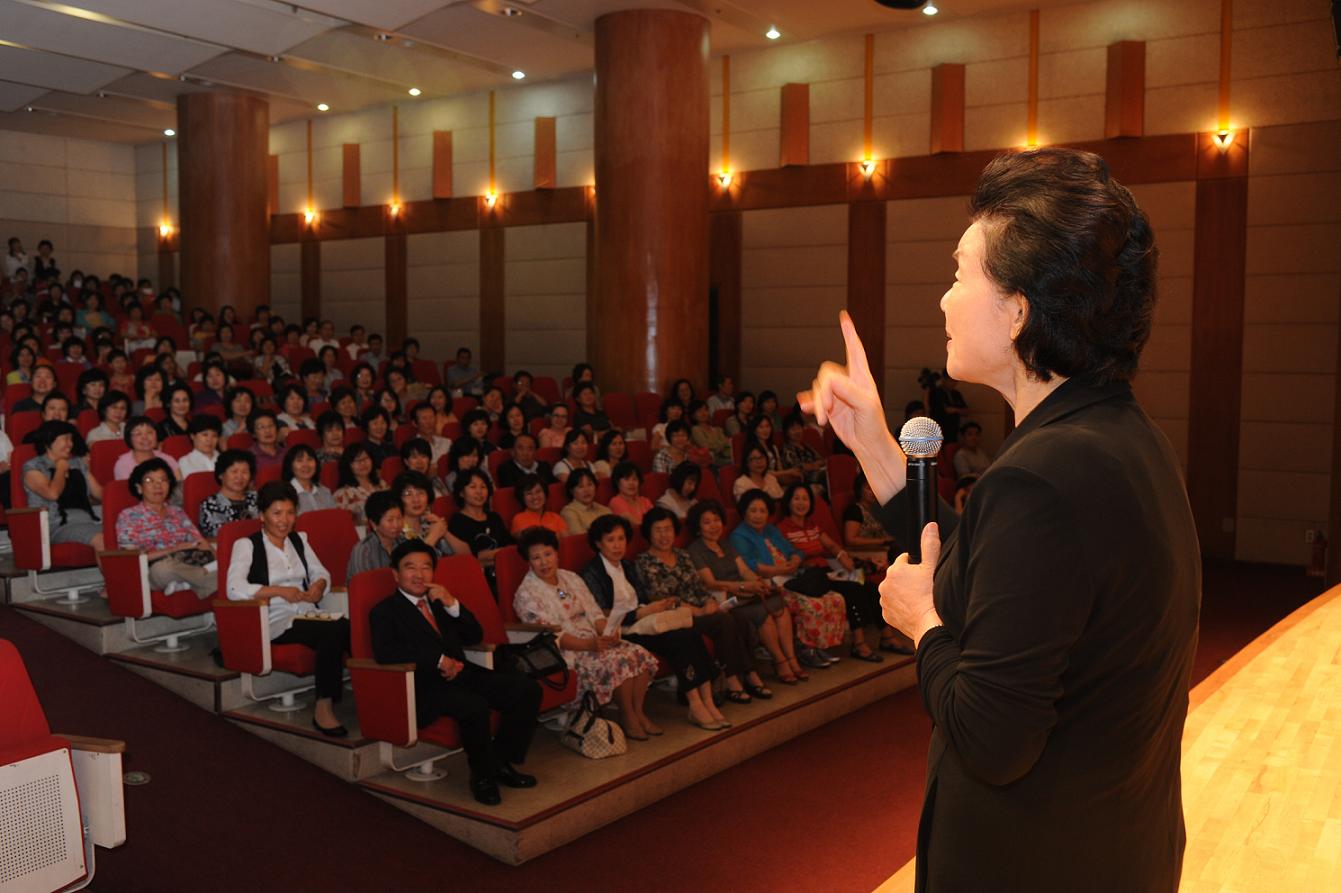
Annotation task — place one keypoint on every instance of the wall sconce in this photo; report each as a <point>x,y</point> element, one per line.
<point>309,216</point>
<point>164,230</point>
<point>867,166</point>
<point>1224,138</point>
<point>490,199</point>
<point>394,208</point>
<point>724,179</point>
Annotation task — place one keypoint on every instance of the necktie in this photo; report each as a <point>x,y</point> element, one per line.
<point>428,615</point>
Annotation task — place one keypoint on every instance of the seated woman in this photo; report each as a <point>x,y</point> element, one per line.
<point>682,390</point>
<point>227,347</point>
<point>265,445</point>
<point>43,382</point>
<point>377,435</point>
<point>331,430</point>
<point>575,447</point>
<point>797,454</point>
<point>215,379</point>
<point>589,416</point>
<point>180,403</point>
<point>463,455</point>
<point>278,565</point>
<point>142,438</point>
<point>532,494</point>
<point>531,403</point>
<point>175,549</point>
<point>679,496</point>
<point>364,383</point>
<point>90,388</point>
<point>583,373</point>
<point>739,420</point>
<point>204,446</point>
<point>863,532</point>
<point>628,502</point>
<point>754,474</point>
<point>668,572</point>
<point>475,426</point>
<point>615,585</point>
<point>56,407</point>
<point>387,399</point>
<point>818,550</point>
<point>493,404</point>
<point>760,433</point>
<point>149,385</point>
<point>414,493</point>
<point>611,450</point>
<point>135,331</point>
<point>605,665</point>
<point>416,455</point>
<point>441,401</point>
<point>24,360</point>
<point>582,508</point>
<point>475,524</point>
<point>293,406</point>
<point>768,406</point>
<point>346,406</point>
<point>303,472</point>
<point>113,409</point>
<point>514,426</point>
<point>819,616</point>
<point>57,479</point>
<point>708,436</point>
<point>676,449</point>
<point>757,600</point>
<point>239,406</point>
<point>554,436</point>
<point>672,410</point>
<point>235,500</point>
<point>268,363</point>
<point>358,480</point>
<point>328,356</point>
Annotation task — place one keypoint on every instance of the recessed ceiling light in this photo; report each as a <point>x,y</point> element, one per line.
<point>273,58</point>
<point>169,132</point>
<point>323,107</point>
<point>930,9</point>
<point>772,33</point>
<point>511,12</point>
<point>383,36</point>
<point>415,91</point>
<point>518,75</point>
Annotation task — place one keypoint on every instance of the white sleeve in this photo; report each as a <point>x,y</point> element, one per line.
<point>238,567</point>
<point>315,569</point>
<point>6,447</point>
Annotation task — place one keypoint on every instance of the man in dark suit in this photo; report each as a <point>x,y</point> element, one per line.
<point>423,624</point>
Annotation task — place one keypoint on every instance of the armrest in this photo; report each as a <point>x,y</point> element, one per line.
<point>238,603</point>
<point>94,745</point>
<point>483,647</point>
<point>244,634</point>
<point>29,533</point>
<point>384,699</point>
<point>27,510</point>
<point>367,663</point>
<point>481,655</point>
<point>525,632</point>
<point>118,553</point>
<point>125,572</point>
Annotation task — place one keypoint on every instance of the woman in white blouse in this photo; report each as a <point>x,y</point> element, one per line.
<point>279,566</point>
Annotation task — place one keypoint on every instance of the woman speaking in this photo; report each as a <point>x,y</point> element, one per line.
<point>1056,620</point>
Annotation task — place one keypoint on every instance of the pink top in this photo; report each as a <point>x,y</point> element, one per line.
<point>633,509</point>
<point>126,464</point>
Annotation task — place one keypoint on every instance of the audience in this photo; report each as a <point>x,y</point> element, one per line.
<point>971,458</point>
<point>575,446</point>
<point>142,438</point>
<point>582,508</point>
<point>611,450</point>
<point>523,462</point>
<point>754,474</point>
<point>556,435</point>
<point>265,440</point>
<point>532,495</point>
<point>628,502</point>
<point>176,551</point>
<point>302,470</point>
<point>414,492</point>
<point>358,480</point>
<point>385,527</point>
<point>474,523</point>
<point>235,500</point>
<point>708,436</point>
<point>680,489</point>
<point>57,479</point>
<point>204,433</point>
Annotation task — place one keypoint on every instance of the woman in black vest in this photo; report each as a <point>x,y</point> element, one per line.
<point>279,566</point>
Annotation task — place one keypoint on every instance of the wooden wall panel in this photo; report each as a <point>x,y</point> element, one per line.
<point>947,108</point>
<point>442,164</point>
<point>1124,103</point>
<point>546,154</point>
<point>866,278</point>
<point>397,285</point>
<point>491,297</point>
<point>794,143</point>
<point>351,179</point>
<point>1334,511</point>
<point>725,233</point>
<point>1217,361</point>
<point>310,278</point>
<point>272,186</point>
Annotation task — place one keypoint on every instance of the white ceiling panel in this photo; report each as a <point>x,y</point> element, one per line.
<point>386,14</point>
<point>342,94</point>
<point>503,40</point>
<point>55,72</point>
<point>431,72</point>
<point>46,29</point>
<point>78,128</point>
<point>146,86</point>
<point>111,108</point>
<point>259,26</point>
<point>15,96</point>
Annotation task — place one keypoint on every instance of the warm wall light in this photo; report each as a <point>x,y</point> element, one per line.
<point>724,179</point>
<point>164,230</point>
<point>1224,138</point>
<point>773,33</point>
<point>394,208</point>
<point>490,199</point>
<point>309,216</point>
<point>930,9</point>
<point>867,166</point>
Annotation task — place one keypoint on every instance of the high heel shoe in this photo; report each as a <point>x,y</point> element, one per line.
<point>801,674</point>
<point>712,726</point>
<point>791,678</point>
<point>870,657</point>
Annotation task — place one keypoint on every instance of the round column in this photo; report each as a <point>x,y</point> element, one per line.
<point>648,320</point>
<point>223,150</point>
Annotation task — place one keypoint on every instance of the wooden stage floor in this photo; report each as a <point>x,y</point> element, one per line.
<point>1262,764</point>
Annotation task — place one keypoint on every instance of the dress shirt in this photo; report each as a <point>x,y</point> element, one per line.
<point>196,461</point>
<point>286,569</point>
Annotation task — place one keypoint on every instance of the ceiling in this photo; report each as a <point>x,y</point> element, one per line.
<point>112,69</point>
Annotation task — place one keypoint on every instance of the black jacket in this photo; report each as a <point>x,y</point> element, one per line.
<point>1069,592</point>
<point>602,587</point>
<point>401,635</point>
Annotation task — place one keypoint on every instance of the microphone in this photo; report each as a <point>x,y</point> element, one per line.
<point>920,438</point>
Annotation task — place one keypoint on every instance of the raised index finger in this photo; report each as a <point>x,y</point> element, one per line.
<point>857,366</point>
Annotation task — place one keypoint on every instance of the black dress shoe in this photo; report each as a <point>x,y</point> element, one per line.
<point>510,777</point>
<point>486,791</point>
<point>332,731</point>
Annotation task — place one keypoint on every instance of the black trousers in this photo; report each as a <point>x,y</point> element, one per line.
<point>468,699</point>
<point>862,600</point>
<point>330,640</point>
<point>732,638</point>
<point>683,649</point>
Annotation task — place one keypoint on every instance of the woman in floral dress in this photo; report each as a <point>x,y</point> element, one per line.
<point>607,666</point>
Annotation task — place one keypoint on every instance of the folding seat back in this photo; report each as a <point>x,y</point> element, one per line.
<point>654,484</point>
<point>504,384</point>
<point>304,436</point>
<point>444,507</point>
<point>365,591</point>
<point>330,475</point>
<point>648,407</point>
<point>547,388</point>
<point>404,432</point>
<point>726,481</point>
<point>177,445</point>
<point>463,405</point>
<point>510,568</point>
<point>241,440</point>
<point>621,410</point>
<point>549,455</point>
<point>196,488</point>
<point>229,534</point>
<point>67,378</point>
<point>391,468</point>
<point>640,454</point>
<point>115,498</point>
<point>605,490</point>
<point>86,421</point>
<point>842,470</point>
<point>737,447</point>
<point>707,485</point>
<point>575,552</point>
<point>426,371</point>
<point>837,507</point>
<point>495,459</point>
<point>333,537</point>
<point>720,416</point>
<point>103,457</point>
<point>267,474</point>
<point>557,497</point>
<point>14,393</point>
<point>19,425</point>
<point>506,505</point>
<point>464,578</point>
<point>824,517</point>
<point>814,439</point>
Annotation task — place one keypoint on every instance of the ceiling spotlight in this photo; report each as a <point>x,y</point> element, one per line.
<point>511,12</point>
<point>772,33</point>
<point>415,91</point>
<point>930,9</point>
<point>323,107</point>
<point>518,75</point>
<point>169,132</point>
<point>273,58</point>
<point>102,94</point>
<point>28,109</point>
<point>382,36</point>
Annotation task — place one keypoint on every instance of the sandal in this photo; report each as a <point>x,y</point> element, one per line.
<point>739,697</point>
<point>762,692</point>
<point>798,672</point>
<point>790,678</point>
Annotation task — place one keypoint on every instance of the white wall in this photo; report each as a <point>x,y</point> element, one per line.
<point>353,283</point>
<point>443,292</point>
<point>545,298</point>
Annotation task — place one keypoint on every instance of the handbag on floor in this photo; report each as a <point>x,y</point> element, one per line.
<point>539,657</point>
<point>591,735</point>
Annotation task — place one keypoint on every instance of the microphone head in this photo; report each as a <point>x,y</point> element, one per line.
<point>921,438</point>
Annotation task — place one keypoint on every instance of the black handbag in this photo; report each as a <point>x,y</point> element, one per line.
<point>539,658</point>
<point>812,582</point>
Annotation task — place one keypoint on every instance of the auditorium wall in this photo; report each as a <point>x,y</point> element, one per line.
<point>443,292</point>
<point>353,283</point>
<point>80,194</point>
<point>286,286</point>
<point>545,298</point>
<point>149,207</point>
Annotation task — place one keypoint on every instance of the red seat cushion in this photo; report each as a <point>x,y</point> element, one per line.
<point>296,659</point>
<point>72,555</point>
<point>184,603</point>
<point>552,700</point>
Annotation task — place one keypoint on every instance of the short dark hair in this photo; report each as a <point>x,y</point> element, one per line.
<point>750,497</point>
<point>110,399</point>
<point>656,515</point>
<point>199,424</point>
<point>575,477</point>
<point>257,415</point>
<point>679,426</point>
<point>329,419</point>
<point>228,458</point>
<point>791,491</point>
<point>311,366</point>
<point>291,454</point>
<point>463,478</point>
<point>144,374</point>
<point>1061,232</point>
<point>416,445</point>
<point>413,547</point>
<point>626,469</point>
<point>605,525</point>
<point>348,457</point>
<point>276,491</point>
<point>531,537</point>
<point>695,519</point>
<point>378,505</point>
<point>683,472</point>
<point>138,421</point>
<point>139,472</point>
<point>525,484</point>
<point>407,479</point>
